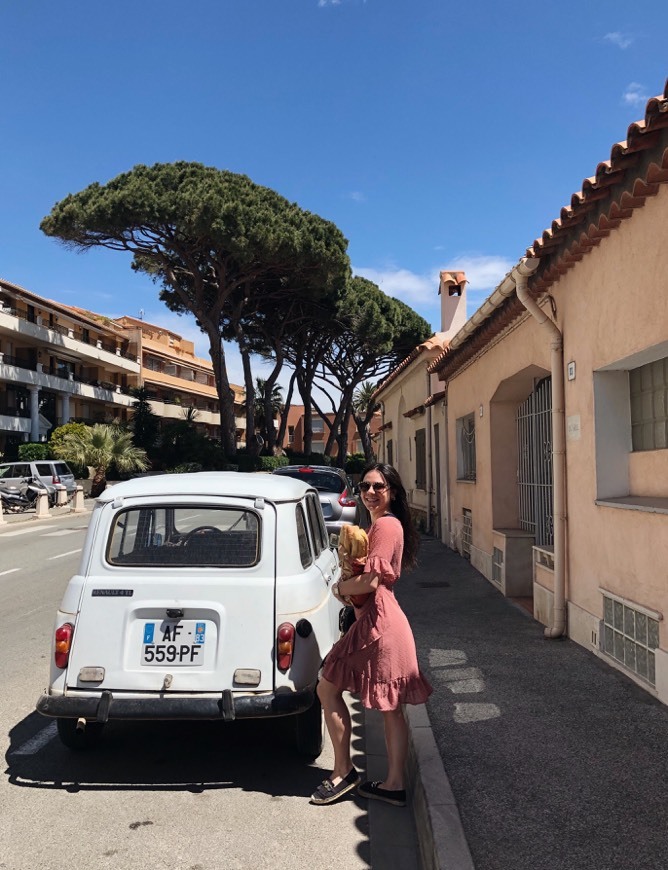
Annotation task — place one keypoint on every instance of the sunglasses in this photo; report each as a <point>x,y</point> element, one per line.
<point>365,486</point>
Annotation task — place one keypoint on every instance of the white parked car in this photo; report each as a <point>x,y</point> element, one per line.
<point>199,596</point>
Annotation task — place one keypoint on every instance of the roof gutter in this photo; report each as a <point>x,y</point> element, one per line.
<point>520,277</point>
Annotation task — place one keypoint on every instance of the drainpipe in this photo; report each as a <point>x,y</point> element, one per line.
<point>429,460</point>
<point>520,274</point>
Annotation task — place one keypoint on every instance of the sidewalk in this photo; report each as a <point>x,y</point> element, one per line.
<point>555,759</point>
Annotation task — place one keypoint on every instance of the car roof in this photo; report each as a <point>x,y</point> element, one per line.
<point>332,468</point>
<point>224,483</point>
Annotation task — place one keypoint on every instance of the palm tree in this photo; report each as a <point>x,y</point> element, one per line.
<point>102,446</point>
<point>364,408</point>
<point>275,402</point>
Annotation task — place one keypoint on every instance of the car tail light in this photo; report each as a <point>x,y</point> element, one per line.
<point>55,479</point>
<point>63,644</point>
<point>346,500</point>
<point>285,645</point>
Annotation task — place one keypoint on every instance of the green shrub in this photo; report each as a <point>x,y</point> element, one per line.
<point>33,452</point>
<point>185,468</point>
<point>355,463</point>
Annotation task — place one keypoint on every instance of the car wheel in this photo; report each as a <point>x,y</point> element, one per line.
<point>79,738</point>
<point>308,731</point>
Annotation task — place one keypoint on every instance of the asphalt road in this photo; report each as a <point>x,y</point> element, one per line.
<point>192,796</point>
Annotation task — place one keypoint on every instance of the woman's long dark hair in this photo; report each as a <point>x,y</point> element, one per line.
<point>399,507</point>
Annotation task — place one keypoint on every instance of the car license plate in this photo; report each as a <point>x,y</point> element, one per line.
<point>173,643</point>
<point>326,508</point>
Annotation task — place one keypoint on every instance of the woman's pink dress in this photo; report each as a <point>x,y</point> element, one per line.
<point>376,658</point>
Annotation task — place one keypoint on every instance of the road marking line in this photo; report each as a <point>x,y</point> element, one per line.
<point>61,533</point>
<point>62,555</point>
<point>466,713</point>
<point>10,571</point>
<point>20,532</point>
<point>30,747</point>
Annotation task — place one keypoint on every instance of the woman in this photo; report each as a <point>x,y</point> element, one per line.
<point>376,658</point>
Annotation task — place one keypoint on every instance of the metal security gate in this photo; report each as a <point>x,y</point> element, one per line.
<point>534,463</point>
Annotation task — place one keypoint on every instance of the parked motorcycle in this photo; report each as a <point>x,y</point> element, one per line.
<point>23,497</point>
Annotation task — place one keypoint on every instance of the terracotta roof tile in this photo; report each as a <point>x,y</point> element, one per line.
<point>437,340</point>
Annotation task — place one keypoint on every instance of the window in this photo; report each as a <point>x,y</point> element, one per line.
<point>389,452</point>
<point>631,637</point>
<point>302,537</point>
<point>185,537</point>
<point>649,405</point>
<point>291,434</point>
<point>318,532</point>
<point>317,426</point>
<point>466,465</point>
<point>420,459</point>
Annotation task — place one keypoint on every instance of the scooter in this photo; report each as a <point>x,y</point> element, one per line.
<point>16,499</point>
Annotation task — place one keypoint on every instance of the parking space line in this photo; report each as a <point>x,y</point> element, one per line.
<point>30,747</point>
<point>61,532</point>
<point>20,532</point>
<point>9,571</point>
<point>62,555</point>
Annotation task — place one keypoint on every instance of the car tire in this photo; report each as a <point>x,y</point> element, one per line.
<point>79,739</point>
<point>308,731</point>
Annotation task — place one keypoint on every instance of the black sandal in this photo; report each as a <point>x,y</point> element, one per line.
<point>327,792</point>
<point>372,790</point>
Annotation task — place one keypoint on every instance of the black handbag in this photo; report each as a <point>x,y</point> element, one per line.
<point>346,618</point>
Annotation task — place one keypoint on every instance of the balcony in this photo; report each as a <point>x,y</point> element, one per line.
<point>56,337</point>
<point>24,373</point>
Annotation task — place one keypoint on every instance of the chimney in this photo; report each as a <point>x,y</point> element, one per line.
<point>452,290</point>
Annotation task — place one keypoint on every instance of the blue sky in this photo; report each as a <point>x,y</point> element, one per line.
<point>435,135</point>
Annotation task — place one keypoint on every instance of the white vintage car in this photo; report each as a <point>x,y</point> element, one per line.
<point>199,596</point>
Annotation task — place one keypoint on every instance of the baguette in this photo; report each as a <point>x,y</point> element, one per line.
<point>353,546</point>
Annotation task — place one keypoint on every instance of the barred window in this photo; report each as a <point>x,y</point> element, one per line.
<point>466,469</point>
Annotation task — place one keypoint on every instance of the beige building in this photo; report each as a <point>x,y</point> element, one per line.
<point>412,400</point>
<point>59,364</point>
<point>177,380</point>
<point>556,417</point>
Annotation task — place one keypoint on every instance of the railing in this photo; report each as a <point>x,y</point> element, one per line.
<point>18,363</point>
<point>64,375</point>
<point>5,411</point>
<point>65,331</point>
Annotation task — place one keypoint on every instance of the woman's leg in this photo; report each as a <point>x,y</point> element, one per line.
<point>396,741</point>
<point>337,720</point>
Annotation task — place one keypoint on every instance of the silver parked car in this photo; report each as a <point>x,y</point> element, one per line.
<point>50,471</point>
<point>339,505</point>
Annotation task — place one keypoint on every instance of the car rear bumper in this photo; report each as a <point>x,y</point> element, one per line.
<point>226,706</point>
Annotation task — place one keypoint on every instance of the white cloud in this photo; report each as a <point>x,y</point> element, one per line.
<point>403,284</point>
<point>357,196</point>
<point>483,273</point>
<point>621,40</point>
<point>635,95</point>
<point>329,2</point>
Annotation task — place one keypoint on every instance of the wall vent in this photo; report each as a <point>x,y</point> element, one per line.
<point>630,636</point>
<point>467,532</point>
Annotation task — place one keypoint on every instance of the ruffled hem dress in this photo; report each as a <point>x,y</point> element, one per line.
<point>376,659</point>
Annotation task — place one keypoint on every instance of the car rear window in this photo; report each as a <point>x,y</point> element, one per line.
<point>323,481</point>
<point>193,536</point>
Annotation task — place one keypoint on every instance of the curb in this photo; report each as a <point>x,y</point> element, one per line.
<point>441,836</point>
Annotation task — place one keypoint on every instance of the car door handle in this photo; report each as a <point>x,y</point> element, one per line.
<point>328,578</point>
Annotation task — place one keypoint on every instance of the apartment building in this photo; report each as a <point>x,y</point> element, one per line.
<point>180,384</point>
<point>59,364</point>
<point>294,439</point>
